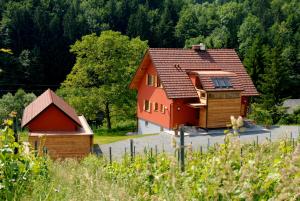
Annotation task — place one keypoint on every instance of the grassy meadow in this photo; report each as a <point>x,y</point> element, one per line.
<point>231,171</point>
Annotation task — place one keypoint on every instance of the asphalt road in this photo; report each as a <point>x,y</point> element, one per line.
<point>163,141</point>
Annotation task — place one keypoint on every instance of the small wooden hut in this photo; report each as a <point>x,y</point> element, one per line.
<point>54,124</point>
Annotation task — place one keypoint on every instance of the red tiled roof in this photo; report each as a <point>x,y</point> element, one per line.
<point>176,81</point>
<point>44,101</point>
<point>208,85</point>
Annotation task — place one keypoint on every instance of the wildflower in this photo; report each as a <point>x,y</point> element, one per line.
<point>240,122</point>
<point>1,186</point>
<point>13,114</point>
<point>56,190</point>
<point>8,122</point>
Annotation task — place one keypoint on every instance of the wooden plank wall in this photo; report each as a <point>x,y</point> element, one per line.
<point>220,109</point>
<point>64,146</point>
<point>202,119</point>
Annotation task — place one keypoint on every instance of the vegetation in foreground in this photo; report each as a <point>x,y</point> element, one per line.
<point>231,171</point>
<point>18,167</point>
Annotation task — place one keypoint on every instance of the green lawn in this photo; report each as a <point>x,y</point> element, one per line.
<point>110,139</point>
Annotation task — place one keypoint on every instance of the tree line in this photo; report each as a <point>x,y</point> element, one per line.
<point>265,33</point>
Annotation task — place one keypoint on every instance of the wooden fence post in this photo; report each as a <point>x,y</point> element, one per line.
<point>110,156</point>
<point>181,149</point>
<point>131,149</point>
<point>156,151</point>
<point>208,143</point>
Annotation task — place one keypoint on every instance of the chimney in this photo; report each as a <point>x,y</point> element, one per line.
<point>198,48</point>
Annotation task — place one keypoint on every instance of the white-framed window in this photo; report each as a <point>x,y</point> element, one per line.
<point>150,80</point>
<point>147,105</point>
<point>162,108</point>
<point>156,107</point>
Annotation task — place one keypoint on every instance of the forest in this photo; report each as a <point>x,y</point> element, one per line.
<point>46,39</point>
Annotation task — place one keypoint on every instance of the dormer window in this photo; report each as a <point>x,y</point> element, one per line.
<point>223,82</point>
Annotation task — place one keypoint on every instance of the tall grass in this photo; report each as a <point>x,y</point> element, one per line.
<point>232,171</point>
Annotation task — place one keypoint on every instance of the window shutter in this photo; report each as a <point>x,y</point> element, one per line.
<point>150,106</point>
<point>147,79</point>
<point>144,105</point>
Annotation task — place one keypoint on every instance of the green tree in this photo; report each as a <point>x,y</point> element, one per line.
<point>104,65</point>
<point>254,61</point>
<point>139,24</point>
<point>16,103</point>
<point>195,20</point>
<point>219,38</point>
<point>248,31</point>
<point>231,16</point>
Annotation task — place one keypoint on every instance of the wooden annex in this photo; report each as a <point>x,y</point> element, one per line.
<point>196,87</point>
<point>53,124</point>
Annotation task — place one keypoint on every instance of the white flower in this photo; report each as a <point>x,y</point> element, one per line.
<point>240,121</point>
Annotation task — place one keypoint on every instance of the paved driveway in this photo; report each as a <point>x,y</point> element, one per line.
<point>163,141</point>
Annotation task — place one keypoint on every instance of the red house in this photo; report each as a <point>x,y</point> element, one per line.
<point>198,87</point>
<point>54,124</point>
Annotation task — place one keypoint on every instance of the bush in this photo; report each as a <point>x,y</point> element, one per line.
<point>260,115</point>
<point>293,118</point>
<point>18,169</point>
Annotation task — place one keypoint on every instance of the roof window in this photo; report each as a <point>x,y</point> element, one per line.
<point>221,82</point>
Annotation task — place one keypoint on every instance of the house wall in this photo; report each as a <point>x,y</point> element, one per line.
<point>64,146</point>
<point>52,119</point>
<point>154,95</point>
<point>183,114</point>
<point>244,106</point>
<point>147,127</point>
<point>220,108</point>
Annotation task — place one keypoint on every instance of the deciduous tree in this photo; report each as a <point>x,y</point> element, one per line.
<point>104,66</point>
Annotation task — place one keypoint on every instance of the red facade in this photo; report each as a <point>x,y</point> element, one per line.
<point>183,74</point>
<point>52,119</point>
<point>176,111</point>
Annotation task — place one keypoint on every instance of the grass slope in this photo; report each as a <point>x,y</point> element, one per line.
<point>231,171</point>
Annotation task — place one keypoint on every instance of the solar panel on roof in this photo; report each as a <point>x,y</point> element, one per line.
<point>216,83</point>
<point>227,82</point>
<point>221,82</point>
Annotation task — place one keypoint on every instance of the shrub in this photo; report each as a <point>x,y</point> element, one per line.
<point>18,169</point>
<point>260,115</point>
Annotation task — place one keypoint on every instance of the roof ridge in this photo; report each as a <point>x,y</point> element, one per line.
<point>166,48</point>
<point>50,95</point>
